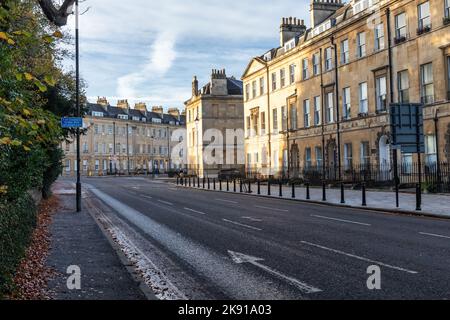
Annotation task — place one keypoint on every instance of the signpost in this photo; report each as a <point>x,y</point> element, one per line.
<point>75,123</point>
<point>71,123</point>
<point>408,136</point>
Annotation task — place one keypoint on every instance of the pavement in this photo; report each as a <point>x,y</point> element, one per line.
<point>195,244</point>
<point>432,204</point>
<point>77,240</point>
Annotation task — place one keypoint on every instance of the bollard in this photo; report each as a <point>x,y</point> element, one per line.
<point>308,194</point>
<point>234,185</point>
<point>193,182</point>
<point>418,198</point>
<point>324,191</point>
<point>220,185</point>
<point>198,182</point>
<point>189,182</point>
<point>364,200</point>
<point>209,184</point>
<point>281,189</point>
<point>204,181</point>
<point>268,188</point>
<point>259,187</point>
<point>240,185</point>
<point>214,183</point>
<point>249,186</point>
<point>293,190</point>
<point>228,185</point>
<point>342,194</point>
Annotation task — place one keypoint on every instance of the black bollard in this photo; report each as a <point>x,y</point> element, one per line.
<point>342,194</point>
<point>308,194</point>
<point>220,185</point>
<point>293,190</point>
<point>198,182</point>
<point>249,186</point>
<point>228,185</point>
<point>364,200</point>
<point>214,183</point>
<point>268,188</point>
<point>234,185</point>
<point>240,185</point>
<point>209,185</point>
<point>204,181</point>
<point>189,181</point>
<point>324,191</point>
<point>259,187</point>
<point>281,189</point>
<point>418,198</point>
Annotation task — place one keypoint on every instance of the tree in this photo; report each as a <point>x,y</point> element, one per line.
<point>58,16</point>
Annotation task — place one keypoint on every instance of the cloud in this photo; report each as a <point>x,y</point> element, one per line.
<point>162,56</point>
<point>149,50</point>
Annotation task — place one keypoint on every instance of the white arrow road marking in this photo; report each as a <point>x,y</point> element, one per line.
<point>341,220</point>
<point>242,225</point>
<point>434,235</point>
<point>195,211</point>
<point>241,258</point>
<point>272,209</point>
<point>358,257</point>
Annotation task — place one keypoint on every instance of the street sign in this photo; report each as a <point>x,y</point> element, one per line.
<point>407,127</point>
<point>70,123</point>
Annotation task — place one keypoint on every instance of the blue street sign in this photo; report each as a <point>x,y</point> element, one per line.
<point>70,123</point>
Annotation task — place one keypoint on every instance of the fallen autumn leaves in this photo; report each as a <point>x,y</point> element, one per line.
<point>33,275</point>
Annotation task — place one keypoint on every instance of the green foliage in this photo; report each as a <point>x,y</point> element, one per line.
<point>17,221</point>
<point>34,94</point>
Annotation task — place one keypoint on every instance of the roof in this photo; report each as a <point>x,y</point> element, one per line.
<point>234,86</point>
<point>114,112</point>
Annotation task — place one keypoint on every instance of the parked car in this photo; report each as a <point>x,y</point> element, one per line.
<point>229,174</point>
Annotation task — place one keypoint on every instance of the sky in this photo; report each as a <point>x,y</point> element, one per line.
<point>149,51</point>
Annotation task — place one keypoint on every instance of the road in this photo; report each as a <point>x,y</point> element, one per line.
<point>195,244</point>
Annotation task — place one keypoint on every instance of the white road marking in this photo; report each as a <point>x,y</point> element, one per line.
<point>165,202</point>
<point>173,189</point>
<point>242,225</point>
<point>241,258</point>
<point>195,211</point>
<point>228,201</point>
<point>148,197</point>
<point>434,235</point>
<point>359,258</point>
<point>341,220</point>
<point>160,275</point>
<point>252,219</point>
<point>273,209</point>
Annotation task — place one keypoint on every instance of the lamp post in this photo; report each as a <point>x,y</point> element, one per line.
<point>196,132</point>
<point>77,99</point>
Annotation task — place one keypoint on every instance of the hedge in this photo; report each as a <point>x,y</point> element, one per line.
<point>17,222</point>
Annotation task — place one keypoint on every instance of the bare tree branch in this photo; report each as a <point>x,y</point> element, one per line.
<point>57,16</point>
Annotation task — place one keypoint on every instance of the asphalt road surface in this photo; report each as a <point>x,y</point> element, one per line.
<point>208,245</point>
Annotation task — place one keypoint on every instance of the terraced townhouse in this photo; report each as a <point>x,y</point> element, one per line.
<point>321,98</point>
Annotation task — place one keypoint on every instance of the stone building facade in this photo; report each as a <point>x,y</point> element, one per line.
<point>325,92</point>
<point>123,140</point>
<point>210,112</point>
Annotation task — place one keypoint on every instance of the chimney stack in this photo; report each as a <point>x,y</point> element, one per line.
<point>123,104</point>
<point>291,28</point>
<point>219,85</point>
<point>103,102</point>
<point>175,112</point>
<point>322,9</point>
<point>194,87</point>
<point>141,106</point>
<point>158,109</point>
